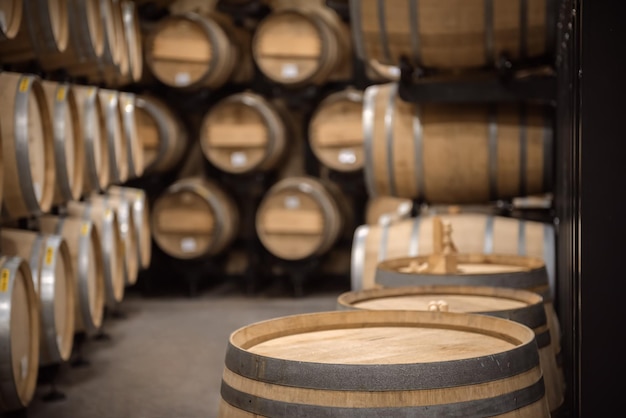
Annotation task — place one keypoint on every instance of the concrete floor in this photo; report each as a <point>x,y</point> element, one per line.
<point>165,359</point>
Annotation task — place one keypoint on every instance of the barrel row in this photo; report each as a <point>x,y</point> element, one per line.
<point>61,141</point>
<point>99,40</point>
<point>298,218</point>
<point>57,281</point>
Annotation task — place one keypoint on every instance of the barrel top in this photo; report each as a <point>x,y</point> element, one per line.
<point>380,337</point>
<point>468,264</point>
<point>469,299</point>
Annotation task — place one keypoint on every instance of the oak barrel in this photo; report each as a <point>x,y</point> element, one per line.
<point>473,233</point>
<point>107,225</point>
<point>452,34</point>
<point>83,242</point>
<point>118,74</point>
<point>93,132</point>
<point>194,217</point>
<point>134,149</point>
<point>54,281</point>
<point>140,213</point>
<point>122,206</point>
<point>163,136</point>
<point>86,38</point>
<point>115,138</point>
<point>243,133</point>
<point>106,62</point>
<point>134,45</point>
<point>336,131</point>
<point>27,146</point>
<point>43,32</point>
<point>190,50</point>
<point>455,153</point>
<point>383,363</point>
<point>513,304</point>
<point>10,18</point>
<point>68,141</point>
<point>299,217</point>
<point>297,46</point>
<point>19,335</point>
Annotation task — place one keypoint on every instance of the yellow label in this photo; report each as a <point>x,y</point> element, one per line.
<point>61,93</point>
<point>91,91</point>
<point>107,213</point>
<point>24,83</point>
<point>84,230</point>
<point>4,280</point>
<point>49,255</point>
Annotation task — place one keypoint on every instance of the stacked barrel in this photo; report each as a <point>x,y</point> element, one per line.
<point>73,235</point>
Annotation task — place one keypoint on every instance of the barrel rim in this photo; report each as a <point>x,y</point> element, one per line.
<point>13,397</point>
<point>130,19</point>
<point>12,29</point>
<point>342,376</point>
<point>318,24</point>
<point>350,94</point>
<point>207,26</point>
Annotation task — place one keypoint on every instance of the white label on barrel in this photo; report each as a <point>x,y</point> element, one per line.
<point>182,79</point>
<point>346,156</point>
<point>238,159</point>
<point>37,190</point>
<point>289,70</point>
<point>24,366</point>
<point>292,202</point>
<point>188,245</point>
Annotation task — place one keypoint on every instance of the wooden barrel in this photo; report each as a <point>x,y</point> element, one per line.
<point>54,280</point>
<point>383,363</point>
<point>132,34</point>
<point>298,218</point>
<point>115,138</point>
<point>106,223</point>
<point>336,131</point>
<point>123,208</point>
<point>93,133</point>
<point>95,69</point>
<point>194,218</point>
<point>190,51</point>
<point>119,73</point>
<point>43,32</point>
<point>134,149</point>
<point>300,46</point>
<point>381,209</point>
<point>10,18</point>
<point>450,34</point>
<point>512,271</point>
<point>473,233</point>
<point>68,142</point>
<point>83,242</point>
<point>86,38</point>
<point>513,304</point>
<point>141,219</point>
<point>162,133</point>
<point>27,146</point>
<point>455,153</point>
<point>243,133</point>
<point>19,342</point>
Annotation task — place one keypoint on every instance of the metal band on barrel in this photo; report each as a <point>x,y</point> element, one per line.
<point>517,280</point>
<point>488,245</point>
<point>389,138</point>
<point>369,99</point>
<point>415,32</point>
<point>382,33</point>
<point>418,144</point>
<point>523,154</point>
<point>521,237</point>
<point>357,259</point>
<point>489,41</point>
<point>58,113</point>
<point>492,132</point>
<point>414,242</point>
<point>496,405</point>
<point>411,376</point>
